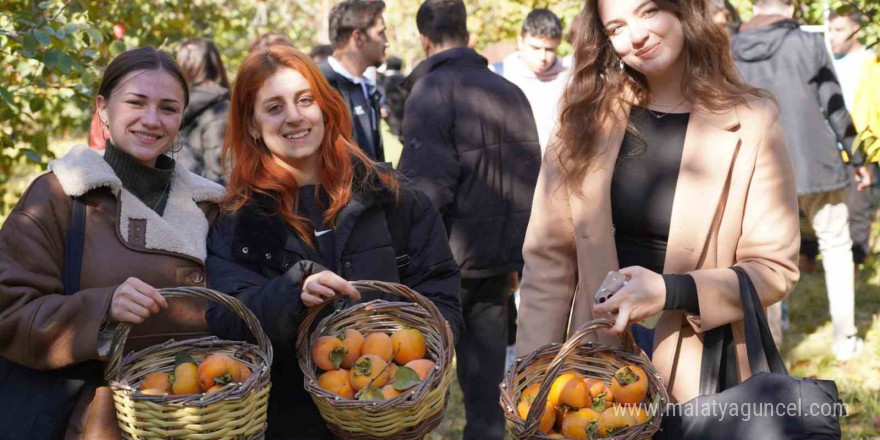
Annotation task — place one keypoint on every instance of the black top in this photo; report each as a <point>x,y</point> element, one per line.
<point>642,193</point>
<point>312,203</point>
<point>149,185</point>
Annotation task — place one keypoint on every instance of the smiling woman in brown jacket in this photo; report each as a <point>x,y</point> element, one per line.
<point>668,166</point>
<point>146,223</point>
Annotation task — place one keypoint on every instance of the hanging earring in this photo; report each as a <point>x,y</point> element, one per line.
<point>179,141</point>
<point>622,65</point>
<point>105,133</point>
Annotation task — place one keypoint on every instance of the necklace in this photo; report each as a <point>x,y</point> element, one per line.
<point>663,115</point>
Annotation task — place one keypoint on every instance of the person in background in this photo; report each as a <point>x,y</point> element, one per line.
<point>852,62</point>
<point>146,220</point>
<point>266,40</point>
<point>391,81</point>
<point>204,122</point>
<point>536,70</point>
<point>470,143</point>
<point>725,14</point>
<point>306,211</point>
<point>357,33</point>
<point>671,169</point>
<point>321,52</point>
<point>773,53</point>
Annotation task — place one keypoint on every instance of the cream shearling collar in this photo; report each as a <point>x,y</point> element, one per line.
<point>181,229</point>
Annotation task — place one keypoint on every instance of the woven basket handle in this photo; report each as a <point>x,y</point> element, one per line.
<point>382,287</point>
<point>567,349</point>
<point>122,330</point>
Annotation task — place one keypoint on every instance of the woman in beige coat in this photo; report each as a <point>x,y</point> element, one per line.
<point>665,165</point>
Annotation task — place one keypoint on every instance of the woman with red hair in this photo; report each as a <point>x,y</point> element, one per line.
<point>305,212</point>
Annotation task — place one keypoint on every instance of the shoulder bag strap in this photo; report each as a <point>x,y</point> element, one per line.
<point>763,354</point>
<point>73,247</point>
<point>762,351</point>
<point>398,239</point>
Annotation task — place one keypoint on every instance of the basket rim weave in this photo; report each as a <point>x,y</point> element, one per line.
<point>420,308</point>
<point>115,371</point>
<point>560,354</point>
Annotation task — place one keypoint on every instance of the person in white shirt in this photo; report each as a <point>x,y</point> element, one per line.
<point>850,56</point>
<point>849,53</point>
<point>536,70</point>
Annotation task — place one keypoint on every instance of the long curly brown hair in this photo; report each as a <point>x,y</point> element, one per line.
<point>600,90</point>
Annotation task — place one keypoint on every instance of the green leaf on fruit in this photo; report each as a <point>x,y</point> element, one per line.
<point>593,429</point>
<point>336,356</point>
<point>371,393</point>
<point>363,368</point>
<point>406,378</point>
<point>183,358</point>
<point>226,378</point>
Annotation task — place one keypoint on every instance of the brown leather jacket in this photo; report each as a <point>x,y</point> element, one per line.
<point>43,329</point>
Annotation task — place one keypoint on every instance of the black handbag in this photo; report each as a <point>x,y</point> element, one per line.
<point>38,404</point>
<point>770,405</point>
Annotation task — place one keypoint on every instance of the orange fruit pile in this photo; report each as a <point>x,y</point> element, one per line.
<point>377,366</point>
<point>214,372</point>
<point>581,408</point>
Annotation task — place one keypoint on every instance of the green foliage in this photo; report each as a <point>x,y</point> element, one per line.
<point>53,51</point>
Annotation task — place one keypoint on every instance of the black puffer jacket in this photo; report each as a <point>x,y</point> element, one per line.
<point>471,144</point>
<point>258,259</point>
<point>203,128</point>
<point>774,54</point>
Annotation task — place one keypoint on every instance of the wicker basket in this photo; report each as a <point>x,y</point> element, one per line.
<point>234,412</point>
<point>588,358</point>
<point>409,416</point>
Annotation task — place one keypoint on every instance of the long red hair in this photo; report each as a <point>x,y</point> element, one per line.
<point>253,170</point>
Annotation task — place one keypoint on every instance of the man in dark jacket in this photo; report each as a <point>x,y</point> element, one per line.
<point>357,33</point>
<point>471,144</point>
<point>774,54</point>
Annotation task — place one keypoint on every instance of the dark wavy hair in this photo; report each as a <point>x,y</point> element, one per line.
<point>598,90</point>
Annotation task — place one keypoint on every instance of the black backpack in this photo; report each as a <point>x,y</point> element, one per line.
<point>38,404</point>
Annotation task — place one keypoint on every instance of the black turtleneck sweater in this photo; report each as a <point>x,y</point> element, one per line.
<point>150,185</point>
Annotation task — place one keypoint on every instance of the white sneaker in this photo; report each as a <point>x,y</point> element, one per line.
<point>848,348</point>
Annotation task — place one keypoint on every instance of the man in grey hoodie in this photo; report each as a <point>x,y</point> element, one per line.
<point>773,53</point>
<point>536,70</point>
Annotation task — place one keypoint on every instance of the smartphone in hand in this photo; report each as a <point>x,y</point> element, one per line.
<point>613,282</point>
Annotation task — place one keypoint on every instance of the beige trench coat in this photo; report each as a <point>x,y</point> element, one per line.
<point>735,204</point>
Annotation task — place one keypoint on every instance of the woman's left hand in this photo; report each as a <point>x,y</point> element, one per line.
<point>643,296</point>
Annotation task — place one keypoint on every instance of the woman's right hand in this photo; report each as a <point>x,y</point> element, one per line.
<point>134,301</point>
<point>325,285</point>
